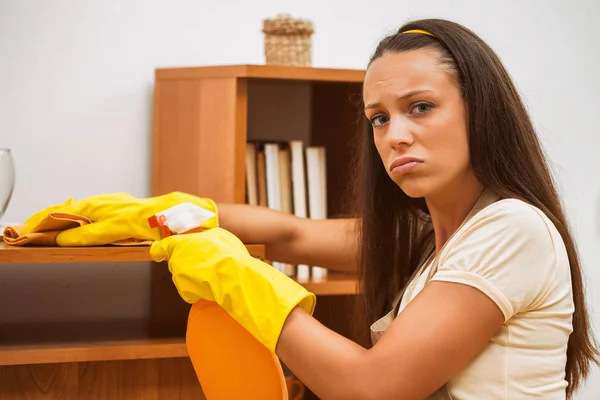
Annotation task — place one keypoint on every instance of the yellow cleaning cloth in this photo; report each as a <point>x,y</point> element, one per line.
<point>44,234</point>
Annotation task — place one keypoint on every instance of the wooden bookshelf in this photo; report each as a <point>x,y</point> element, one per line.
<point>204,116</point>
<point>158,341</point>
<point>60,346</point>
<point>125,340</point>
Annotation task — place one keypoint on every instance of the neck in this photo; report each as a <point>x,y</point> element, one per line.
<point>449,209</point>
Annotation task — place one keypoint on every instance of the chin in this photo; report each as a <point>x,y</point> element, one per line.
<point>414,187</point>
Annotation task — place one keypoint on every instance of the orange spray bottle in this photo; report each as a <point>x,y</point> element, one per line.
<point>229,362</point>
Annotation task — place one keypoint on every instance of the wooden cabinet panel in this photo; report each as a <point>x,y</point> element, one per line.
<point>158,379</point>
<point>39,382</point>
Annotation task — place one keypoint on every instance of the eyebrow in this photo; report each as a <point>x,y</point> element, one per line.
<point>403,97</point>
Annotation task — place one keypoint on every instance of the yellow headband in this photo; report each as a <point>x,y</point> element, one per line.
<point>419,31</point>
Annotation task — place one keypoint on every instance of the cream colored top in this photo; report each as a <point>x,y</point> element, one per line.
<point>513,253</point>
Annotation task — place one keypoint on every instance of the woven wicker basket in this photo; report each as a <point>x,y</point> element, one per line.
<point>288,41</point>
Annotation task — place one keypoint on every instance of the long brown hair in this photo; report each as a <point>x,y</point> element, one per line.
<point>505,155</point>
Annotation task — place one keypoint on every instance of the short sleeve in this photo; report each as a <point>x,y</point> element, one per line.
<point>506,251</point>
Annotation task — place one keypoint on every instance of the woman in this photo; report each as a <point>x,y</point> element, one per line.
<point>450,162</point>
<point>470,275</point>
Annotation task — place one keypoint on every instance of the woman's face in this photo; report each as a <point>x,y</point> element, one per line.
<point>419,122</point>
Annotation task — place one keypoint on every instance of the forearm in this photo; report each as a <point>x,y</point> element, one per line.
<point>253,224</point>
<point>329,243</point>
<point>331,365</point>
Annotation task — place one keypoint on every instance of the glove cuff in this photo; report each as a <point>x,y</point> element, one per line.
<point>270,308</point>
<point>212,206</point>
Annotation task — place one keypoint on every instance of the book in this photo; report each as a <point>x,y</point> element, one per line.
<point>292,178</point>
<point>299,194</point>
<point>317,193</point>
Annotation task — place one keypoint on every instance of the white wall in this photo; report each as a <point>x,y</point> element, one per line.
<point>76,82</point>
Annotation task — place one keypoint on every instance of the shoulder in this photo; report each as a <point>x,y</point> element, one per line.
<point>513,223</point>
<point>516,214</point>
<point>511,251</point>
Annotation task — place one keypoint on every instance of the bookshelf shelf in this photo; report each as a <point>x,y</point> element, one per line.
<point>45,343</point>
<point>92,350</point>
<point>334,284</point>
<point>48,254</point>
<point>278,72</point>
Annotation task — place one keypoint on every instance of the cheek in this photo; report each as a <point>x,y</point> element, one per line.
<point>457,150</point>
<point>450,146</point>
<point>460,141</point>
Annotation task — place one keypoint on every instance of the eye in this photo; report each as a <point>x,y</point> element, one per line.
<point>421,108</point>
<point>379,120</point>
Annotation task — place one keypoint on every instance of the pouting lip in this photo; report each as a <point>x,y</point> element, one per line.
<point>398,162</point>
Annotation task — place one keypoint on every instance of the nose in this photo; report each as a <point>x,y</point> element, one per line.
<point>399,133</point>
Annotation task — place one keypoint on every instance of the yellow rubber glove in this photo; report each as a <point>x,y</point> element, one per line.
<point>215,265</point>
<point>117,216</point>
